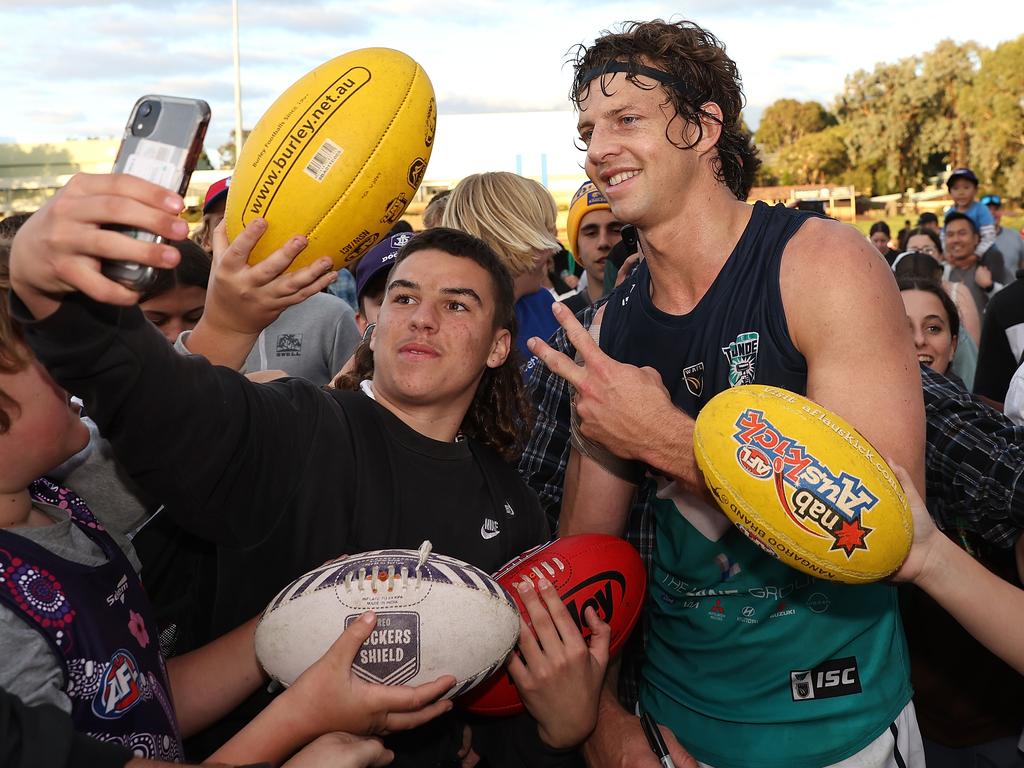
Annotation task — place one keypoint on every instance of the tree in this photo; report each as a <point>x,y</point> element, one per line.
<point>203,163</point>
<point>946,72</point>
<point>903,119</point>
<point>816,158</point>
<point>785,121</point>
<point>994,106</point>
<point>227,150</point>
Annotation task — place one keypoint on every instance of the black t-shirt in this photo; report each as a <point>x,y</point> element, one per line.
<point>997,361</point>
<point>281,476</point>
<point>44,737</point>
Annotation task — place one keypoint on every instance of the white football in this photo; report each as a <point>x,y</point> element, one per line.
<point>435,616</point>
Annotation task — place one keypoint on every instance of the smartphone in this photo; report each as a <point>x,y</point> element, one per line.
<point>162,142</point>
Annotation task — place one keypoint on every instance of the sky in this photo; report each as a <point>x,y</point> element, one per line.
<point>73,68</point>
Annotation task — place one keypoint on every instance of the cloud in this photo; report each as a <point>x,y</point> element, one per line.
<point>55,116</point>
<point>132,62</point>
<point>470,105</point>
<point>803,58</point>
<point>88,60</point>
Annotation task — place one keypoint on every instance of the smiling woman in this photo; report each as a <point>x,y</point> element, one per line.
<point>934,322</point>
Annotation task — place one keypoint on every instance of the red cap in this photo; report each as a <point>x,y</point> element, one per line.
<point>217,192</point>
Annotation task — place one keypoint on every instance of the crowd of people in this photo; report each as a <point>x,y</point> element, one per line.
<point>169,461</point>
<point>974,257</point>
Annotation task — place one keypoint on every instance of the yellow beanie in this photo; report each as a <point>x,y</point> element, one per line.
<point>586,199</point>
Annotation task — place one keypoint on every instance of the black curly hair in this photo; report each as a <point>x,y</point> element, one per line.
<point>500,415</point>
<point>698,71</point>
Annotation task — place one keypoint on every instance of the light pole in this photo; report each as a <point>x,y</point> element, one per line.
<point>238,82</point>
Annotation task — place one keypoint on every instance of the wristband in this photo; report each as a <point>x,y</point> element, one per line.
<point>623,469</point>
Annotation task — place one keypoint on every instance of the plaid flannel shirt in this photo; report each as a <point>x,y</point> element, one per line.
<point>974,463</point>
<point>542,466</point>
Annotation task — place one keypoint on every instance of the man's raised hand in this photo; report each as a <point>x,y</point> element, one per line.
<point>620,406</point>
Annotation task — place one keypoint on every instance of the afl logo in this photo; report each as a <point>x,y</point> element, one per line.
<point>754,461</point>
<point>431,127</point>
<point>416,171</point>
<point>119,688</point>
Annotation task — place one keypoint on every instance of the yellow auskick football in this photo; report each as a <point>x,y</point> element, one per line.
<point>337,157</point>
<point>803,484</point>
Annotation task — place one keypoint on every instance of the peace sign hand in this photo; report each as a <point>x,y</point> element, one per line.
<point>620,406</point>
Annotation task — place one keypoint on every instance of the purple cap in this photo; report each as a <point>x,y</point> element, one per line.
<point>962,173</point>
<point>379,258</point>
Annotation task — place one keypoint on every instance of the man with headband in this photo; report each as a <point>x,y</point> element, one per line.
<point>741,650</point>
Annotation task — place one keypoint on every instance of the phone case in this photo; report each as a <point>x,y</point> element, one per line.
<point>166,155</point>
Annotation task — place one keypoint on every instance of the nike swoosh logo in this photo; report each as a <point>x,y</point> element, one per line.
<point>484,533</point>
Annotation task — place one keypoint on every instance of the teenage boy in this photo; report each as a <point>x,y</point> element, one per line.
<point>593,230</point>
<point>287,475</point>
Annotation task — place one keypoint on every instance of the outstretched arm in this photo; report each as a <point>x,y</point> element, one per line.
<point>962,585</point>
<point>59,250</point>
<point>328,697</point>
<point>210,681</point>
<point>215,442</point>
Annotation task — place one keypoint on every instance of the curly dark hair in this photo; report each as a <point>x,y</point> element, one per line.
<point>700,72</point>
<point>193,269</point>
<point>501,414</point>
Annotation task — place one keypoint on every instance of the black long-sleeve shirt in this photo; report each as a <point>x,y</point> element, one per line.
<point>285,476</point>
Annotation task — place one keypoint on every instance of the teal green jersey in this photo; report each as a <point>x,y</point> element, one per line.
<point>752,663</point>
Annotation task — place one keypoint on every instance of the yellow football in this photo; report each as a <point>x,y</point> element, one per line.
<point>803,484</point>
<point>337,157</point>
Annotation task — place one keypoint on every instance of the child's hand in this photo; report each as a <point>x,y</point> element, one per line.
<point>983,277</point>
<point>329,697</point>
<point>246,299</point>
<point>561,679</point>
<point>342,750</point>
<point>925,532</point>
<point>59,248</point>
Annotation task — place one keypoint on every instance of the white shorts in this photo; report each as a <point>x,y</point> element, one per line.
<point>899,746</point>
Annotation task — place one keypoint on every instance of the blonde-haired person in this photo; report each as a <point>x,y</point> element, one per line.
<point>516,217</point>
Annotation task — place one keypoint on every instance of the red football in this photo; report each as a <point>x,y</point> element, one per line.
<point>588,570</point>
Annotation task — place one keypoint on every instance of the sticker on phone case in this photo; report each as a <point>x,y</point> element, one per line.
<point>157,162</point>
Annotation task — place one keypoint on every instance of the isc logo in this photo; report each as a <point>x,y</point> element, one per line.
<point>836,677</point>
<point>754,461</point>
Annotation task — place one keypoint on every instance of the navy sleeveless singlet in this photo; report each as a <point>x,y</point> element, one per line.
<point>736,635</point>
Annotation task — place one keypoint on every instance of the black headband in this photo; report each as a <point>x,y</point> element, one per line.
<point>661,76</point>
